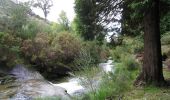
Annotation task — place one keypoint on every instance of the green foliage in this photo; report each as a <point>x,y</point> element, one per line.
<point>51,51</point>
<point>10,49</point>
<point>73,26</point>
<point>84,60</point>
<point>90,55</point>
<point>18,17</point>
<point>113,85</point>
<point>122,53</point>
<point>30,30</point>
<point>137,44</point>
<point>97,52</point>
<point>165,38</point>
<point>134,45</point>
<point>133,14</point>
<point>34,26</point>
<point>88,78</point>
<point>129,63</point>
<point>131,18</point>
<point>119,52</point>
<point>63,21</point>
<point>116,84</point>
<point>68,44</point>
<point>87,20</point>
<point>165,23</point>
<point>148,92</point>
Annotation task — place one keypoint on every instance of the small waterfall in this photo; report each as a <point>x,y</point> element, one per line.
<point>73,86</point>
<point>107,67</point>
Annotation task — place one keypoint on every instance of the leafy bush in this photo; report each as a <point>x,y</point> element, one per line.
<point>36,49</point>
<point>113,85</point>
<point>129,63</point>
<point>30,29</point>
<point>118,52</point>
<point>166,38</point>
<point>10,49</point>
<point>122,54</point>
<point>97,52</point>
<point>69,44</point>
<point>137,45</point>
<point>88,78</point>
<point>49,52</point>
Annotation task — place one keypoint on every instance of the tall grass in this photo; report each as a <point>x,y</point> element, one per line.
<point>129,62</point>
<point>165,39</point>
<point>115,84</point>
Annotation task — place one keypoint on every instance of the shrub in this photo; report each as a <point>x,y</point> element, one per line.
<point>113,85</point>
<point>118,52</point>
<point>37,48</point>
<point>129,63</point>
<point>30,29</point>
<point>104,53</point>
<point>50,53</point>
<point>97,52</point>
<point>69,44</point>
<point>10,48</point>
<point>166,38</point>
<point>137,45</point>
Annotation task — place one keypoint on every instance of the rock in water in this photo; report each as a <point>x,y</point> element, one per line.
<point>23,74</point>
<point>41,88</point>
<point>33,85</point>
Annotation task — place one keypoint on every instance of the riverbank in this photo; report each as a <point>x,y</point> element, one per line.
<point>30,84</point>
<point>149,92</point>
<point>119,85</point>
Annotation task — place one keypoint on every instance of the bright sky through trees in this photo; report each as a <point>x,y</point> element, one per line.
<point>58,6</point>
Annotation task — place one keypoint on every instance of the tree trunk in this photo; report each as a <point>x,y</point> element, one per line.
<point>45,14</point>
<point>152,65</point>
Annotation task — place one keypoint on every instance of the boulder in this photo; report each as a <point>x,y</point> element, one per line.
<point>31,84</point>
<point>40,89</point>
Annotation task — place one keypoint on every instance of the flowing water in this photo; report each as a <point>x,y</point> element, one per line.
<point>29,84</point>
<point>73,86</point>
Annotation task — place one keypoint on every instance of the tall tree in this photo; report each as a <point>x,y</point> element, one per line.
<point>152,65</point>
<point>164,16</point>
<point>44,5</point>
<point>94,17</point>
<point>132,17</point>
<point>85,10</point>
<point>63,21</point>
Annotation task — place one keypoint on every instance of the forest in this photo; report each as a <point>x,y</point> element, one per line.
<point>111,50</point>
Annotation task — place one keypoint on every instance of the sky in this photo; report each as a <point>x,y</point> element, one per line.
<point>58,6</point>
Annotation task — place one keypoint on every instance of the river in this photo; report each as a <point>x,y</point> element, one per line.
<point>72,84</point>
<point>37,86</point>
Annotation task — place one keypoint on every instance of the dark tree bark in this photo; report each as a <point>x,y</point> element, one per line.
<point>152,65</point>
